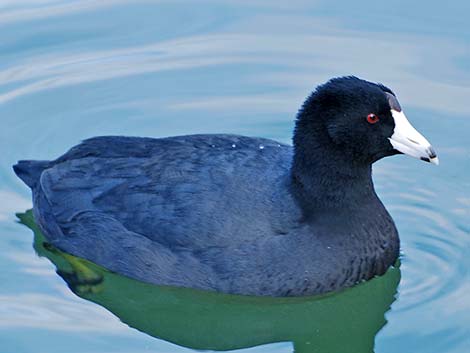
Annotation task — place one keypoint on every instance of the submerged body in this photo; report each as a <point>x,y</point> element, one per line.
<point>227,213</point>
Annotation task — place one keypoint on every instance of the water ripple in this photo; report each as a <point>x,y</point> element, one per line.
<point>22,11</point>
<point>434,262</point>
<point>301,64</point>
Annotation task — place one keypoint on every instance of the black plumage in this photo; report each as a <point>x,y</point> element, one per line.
<point>231,213</point>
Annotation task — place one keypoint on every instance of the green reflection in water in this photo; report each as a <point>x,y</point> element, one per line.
<point>343,322</point>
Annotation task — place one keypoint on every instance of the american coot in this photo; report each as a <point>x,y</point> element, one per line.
<point>232,213</point>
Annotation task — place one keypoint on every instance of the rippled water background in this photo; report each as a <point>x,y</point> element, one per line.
<point>74,69</point>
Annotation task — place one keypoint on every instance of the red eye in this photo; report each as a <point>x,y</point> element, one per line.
<point>372,118</point>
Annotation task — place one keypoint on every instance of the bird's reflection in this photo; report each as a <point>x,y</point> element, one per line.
<point>343,322</point>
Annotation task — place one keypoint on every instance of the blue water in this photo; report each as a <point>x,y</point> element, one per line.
<point>75,69</point>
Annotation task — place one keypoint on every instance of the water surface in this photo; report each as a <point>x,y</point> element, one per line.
<point>74,69</point>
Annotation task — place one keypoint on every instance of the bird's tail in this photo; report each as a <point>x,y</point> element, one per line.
<point>30,171</point>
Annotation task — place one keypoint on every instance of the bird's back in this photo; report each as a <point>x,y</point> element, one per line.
<point>162,210</point>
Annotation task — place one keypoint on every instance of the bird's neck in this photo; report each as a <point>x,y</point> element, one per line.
<point>323,178</point>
